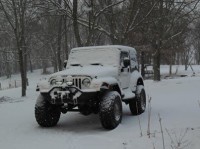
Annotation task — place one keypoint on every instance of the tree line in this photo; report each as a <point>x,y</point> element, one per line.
<point>40,33</point>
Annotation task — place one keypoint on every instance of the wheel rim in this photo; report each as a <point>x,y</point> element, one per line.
<point>117,112</point>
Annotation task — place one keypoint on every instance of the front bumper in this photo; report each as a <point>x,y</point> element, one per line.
<point>70,95</point>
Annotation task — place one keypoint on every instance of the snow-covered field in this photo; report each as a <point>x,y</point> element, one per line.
<point>175,100</point>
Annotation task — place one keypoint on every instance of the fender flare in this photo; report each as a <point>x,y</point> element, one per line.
<point>136,79</point>
<point>108,83</point>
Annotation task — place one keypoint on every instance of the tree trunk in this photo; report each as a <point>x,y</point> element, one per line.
<point>55,66</point>
<point>59,41</point>
<point>7,67</point>
<point>25,64</point>
<point>8,71</point>
<point>156,64</point>
<point>75,23</point>
<point>20,38</point>
<point>59,44</point>
<point>186,60</point>
<point>170,65</point>
<point>23,61</point>
<point>170,69</point>
<point>44,67</point>
<point>22,71</point>
<point>30,63</point>
<point>66,38</point>
<point>142,64</point>
<point>158,44</point>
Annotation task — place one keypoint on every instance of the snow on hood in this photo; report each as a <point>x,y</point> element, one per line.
<point>99,71</point>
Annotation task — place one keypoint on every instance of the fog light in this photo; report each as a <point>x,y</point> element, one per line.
<point>69,83</point>
<point>69,80</point>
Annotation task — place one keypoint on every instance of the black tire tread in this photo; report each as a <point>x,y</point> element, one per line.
<point>107,110</point>
<point>135,105</point>
<point>46,115</point>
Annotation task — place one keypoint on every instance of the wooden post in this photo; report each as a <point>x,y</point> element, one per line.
<point>15,84</point>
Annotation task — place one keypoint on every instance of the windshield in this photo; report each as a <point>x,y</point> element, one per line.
<point>95,56</point>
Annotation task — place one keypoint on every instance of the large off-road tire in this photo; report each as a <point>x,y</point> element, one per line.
<point>138,105</point>
<point>110,110</point>
<point>46,114</point>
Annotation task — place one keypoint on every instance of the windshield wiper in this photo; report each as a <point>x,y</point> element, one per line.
<point>96,64</point>
<point>76,65</point>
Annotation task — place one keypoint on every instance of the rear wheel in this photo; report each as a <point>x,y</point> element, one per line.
<point>46,114</point>
<point>138,105</point>
<point>110,110</point>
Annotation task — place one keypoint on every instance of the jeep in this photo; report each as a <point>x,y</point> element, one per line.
<point>95,80</point>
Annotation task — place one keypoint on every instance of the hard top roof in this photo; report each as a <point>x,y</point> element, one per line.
<point>123,48</point>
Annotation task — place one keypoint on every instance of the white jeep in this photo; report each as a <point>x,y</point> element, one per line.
<point>95,80</point>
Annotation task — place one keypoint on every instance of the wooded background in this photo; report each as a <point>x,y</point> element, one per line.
<point>40,33</point>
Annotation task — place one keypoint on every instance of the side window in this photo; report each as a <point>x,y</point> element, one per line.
<point>123,55</point>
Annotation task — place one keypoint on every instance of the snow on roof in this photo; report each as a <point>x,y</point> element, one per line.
<point>94,55</point>
<point>120,47</point>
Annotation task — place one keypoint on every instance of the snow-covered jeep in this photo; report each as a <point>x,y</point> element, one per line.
<point>95,80</point>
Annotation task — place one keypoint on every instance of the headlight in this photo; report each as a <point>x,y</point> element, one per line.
<point>56,80</point>
<point>53,82</point>
<point>59,80</point>
<point>86,82</point>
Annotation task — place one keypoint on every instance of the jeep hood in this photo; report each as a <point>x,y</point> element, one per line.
<point>93,71</point>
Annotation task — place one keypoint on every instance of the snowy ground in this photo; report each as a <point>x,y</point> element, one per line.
<point>176,100</point>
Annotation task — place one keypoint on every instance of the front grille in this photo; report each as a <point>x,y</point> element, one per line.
<point>77,82</point>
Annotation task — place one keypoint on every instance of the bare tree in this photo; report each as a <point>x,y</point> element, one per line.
<point>170,21</point>
<point>44,31</point>
<point>15,13</point>
<point>75,23</point>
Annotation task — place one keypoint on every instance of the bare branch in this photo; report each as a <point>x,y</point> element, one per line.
<point>107,7</point>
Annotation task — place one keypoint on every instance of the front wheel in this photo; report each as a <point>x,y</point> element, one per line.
<point>138,105</point>
<point>110,110</point>
<point>46,114</point>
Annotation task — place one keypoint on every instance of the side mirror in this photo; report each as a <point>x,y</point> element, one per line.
<point>65,64</point>
<point>126,62</point>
